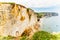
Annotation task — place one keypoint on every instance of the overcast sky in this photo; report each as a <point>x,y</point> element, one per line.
<point>38,5</point>
<point>35,3</point>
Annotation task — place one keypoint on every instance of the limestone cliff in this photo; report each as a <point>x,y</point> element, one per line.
<point>16,19</point>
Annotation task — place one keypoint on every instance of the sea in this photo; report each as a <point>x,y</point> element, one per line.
<point>50,24</point>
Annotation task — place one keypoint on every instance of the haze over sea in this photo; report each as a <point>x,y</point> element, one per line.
<point>50,24</point>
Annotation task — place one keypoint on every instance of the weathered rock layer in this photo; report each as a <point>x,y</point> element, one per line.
<point>16,19</point>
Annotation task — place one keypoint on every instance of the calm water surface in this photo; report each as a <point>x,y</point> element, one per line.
<point>50,24</point>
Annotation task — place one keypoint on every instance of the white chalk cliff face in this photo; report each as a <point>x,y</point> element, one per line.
<point>15,19</point>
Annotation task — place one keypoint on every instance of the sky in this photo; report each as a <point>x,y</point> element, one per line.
<point>39,5</point>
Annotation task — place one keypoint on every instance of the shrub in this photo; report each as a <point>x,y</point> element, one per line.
<point>42,35</point>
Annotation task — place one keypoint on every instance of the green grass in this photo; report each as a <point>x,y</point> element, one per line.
<point>6,38</point>
<point>42,35</point>
<point>57,36</point>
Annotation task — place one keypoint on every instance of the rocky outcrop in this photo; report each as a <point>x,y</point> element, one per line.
<point>15,20</point>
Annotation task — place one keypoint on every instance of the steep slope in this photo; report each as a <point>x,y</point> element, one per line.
<point>15,19</point>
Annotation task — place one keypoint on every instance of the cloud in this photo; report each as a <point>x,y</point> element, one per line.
<point>35,3</point>
<point>40,3</point>
<point>47,9</point>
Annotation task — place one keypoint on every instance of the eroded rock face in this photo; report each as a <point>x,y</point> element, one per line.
<point>15,19</point>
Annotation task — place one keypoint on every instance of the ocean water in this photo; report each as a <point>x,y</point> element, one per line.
<point>50,24</point>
